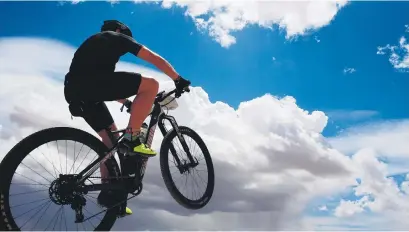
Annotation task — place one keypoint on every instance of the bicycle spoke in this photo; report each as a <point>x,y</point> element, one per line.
<point>75,157</point>
<point>42,166</point>
<point>199,175</point>
<point>65,219</point>
<point>83,160</point>
<point>52,219</point>
<point>83,226</point>
<point>58,154</point>
<point>194,190</point>
<point>15,206</point>
<point>95,204</point>
<point>75,142</point>
<point>36,173</point>
<point>31,179</point>
<point>55,169</point>
<point>198,186</point>
<point>34,215</point>
<point>55,223</point>
<point>42,215</point>
<point>31,209</point>
<point>25,184</point>
<point>89,220</point>
<point>16,194</point>
<point>66,154</point>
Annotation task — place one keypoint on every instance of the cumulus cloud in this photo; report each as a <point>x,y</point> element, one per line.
<point>380,150</point>
<point>222,18</point>
<point>398,54</point>
<point>269,155</point>
<point>377,192</point>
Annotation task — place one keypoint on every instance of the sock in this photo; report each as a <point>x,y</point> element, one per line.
<point>129,135</point>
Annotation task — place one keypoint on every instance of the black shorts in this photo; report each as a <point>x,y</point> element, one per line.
<point>89,93</point>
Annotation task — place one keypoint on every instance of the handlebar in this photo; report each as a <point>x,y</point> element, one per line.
<point>160,97</point>
<point>177,93</point>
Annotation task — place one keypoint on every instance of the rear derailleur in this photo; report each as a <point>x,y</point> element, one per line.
<point>77,205</point>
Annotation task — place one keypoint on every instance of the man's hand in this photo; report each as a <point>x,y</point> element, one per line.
<point>181,83</point>
<point>126,103</point>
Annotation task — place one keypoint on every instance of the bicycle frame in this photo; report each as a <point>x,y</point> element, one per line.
<point>158,117</point>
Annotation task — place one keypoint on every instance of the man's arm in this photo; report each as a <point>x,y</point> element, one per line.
<point>130,45</point>
<point>155,59</point>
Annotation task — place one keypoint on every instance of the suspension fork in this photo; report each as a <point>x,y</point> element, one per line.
<point>182,140</point>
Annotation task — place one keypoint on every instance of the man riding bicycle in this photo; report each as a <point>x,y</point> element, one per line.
<point>92,80</point>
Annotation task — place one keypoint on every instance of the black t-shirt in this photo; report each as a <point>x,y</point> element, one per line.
<point>99,54</point>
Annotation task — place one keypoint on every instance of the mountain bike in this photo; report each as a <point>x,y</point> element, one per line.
<point>124,179</point>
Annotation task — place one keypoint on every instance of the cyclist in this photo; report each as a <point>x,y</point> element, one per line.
<point>92,79</point>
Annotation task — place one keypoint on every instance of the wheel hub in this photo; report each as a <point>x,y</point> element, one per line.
<point>187,166</point>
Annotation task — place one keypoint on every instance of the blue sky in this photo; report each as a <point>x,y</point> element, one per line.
<point>308,67</point>
<point>311,72</point>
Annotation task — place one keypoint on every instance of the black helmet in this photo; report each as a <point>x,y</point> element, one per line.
<point>113,25</point>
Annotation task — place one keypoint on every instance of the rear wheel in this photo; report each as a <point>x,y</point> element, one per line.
<point>202,181</point>
<point>22,174</point>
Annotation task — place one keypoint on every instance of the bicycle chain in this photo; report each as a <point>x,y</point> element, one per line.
<point>111,178</point>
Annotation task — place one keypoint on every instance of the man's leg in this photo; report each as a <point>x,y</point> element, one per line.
<point>140,109</point>
<point>107,141</point>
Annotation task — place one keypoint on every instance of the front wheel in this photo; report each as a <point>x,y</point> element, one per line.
<point>172,150</point>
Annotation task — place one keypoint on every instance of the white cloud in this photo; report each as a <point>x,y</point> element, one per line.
<point>398,54</point>
<point>316,39</point>
<point>348,208</point>
<point>377,192</point>
<point>349,70</point>
<point>221,18</point>
<point>270,157</point>
<point>387,138</point>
